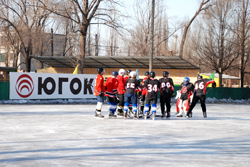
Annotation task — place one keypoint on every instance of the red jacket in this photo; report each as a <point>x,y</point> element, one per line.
<point>144,91</point>
<point>99,85</point>
<point>111,87</point>
<point>120,85</point>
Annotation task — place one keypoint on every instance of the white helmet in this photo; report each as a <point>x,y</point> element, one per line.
<point>122,72</point>
<point>133,74</point>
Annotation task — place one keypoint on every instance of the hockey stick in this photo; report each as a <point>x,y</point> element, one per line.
<point>173,102</point>
<point>209,90</point>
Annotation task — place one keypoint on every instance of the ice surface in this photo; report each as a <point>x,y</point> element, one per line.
<point>93,101</point>
<point>69,135</point>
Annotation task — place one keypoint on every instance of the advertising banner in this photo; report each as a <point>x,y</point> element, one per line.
<point>51,86</point>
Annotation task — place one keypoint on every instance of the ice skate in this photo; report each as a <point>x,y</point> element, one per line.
<point>145,116</point>
<point>125,115</point>
<point>163,115</point>
<point>120,112</point>
<point>135,116</point>
<point>179,115</point>
<point>168,115</point>
<point>111,115</point>
<point>205,114</point>
<point>153,116</point>
<point>188,116</point>
<point>98,114</point>
<point>140,115</point>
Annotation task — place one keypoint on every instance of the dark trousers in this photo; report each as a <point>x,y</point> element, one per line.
<point>121,100</point>
<point>202,99</point>
<point>165,100</point>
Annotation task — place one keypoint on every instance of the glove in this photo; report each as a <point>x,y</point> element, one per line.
<point>117,97</point>
<point>101,93</point>
<point>214,85</point>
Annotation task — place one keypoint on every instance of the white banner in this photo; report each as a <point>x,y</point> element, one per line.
<point>51,86</point>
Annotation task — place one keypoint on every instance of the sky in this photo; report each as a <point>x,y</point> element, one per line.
<point>176,8</point>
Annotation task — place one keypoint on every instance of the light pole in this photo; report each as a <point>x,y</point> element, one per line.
<point>152,37</point>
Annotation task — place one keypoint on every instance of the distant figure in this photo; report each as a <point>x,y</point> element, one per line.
<point>99,92</point>
<point>121,91</point>
<point>132,86</point>
<point>153,86</point>
<point>111,93</point>
<point>144,91</point>
<point>200,94</point>
<point>166,91</point>
<point>186,94</point>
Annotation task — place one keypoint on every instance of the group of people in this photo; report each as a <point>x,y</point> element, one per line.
<point>121,91</point>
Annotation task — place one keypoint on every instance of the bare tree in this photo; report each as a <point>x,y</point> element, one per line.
<point>25,17</point>
<point>242,22</point>
<point>11,40</point>
<point>215,42</point>
<point>203,6</point>
<point>140,33</point>
<point>82,12</point>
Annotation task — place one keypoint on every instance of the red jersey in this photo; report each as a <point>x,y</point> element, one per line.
<point>99,85</point>
<point>120,85</point>
<point>111,87</point>
<point>144,91</point>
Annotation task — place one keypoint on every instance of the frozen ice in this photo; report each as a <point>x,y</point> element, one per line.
<point>69,135</point>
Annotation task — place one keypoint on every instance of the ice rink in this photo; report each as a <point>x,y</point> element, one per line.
<point>70,135</point>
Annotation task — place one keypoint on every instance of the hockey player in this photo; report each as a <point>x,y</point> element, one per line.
<point>186,93</point>
<point>132,85</point>
<point>166,91</point>
<point>99,89</point>
<point>153,86</point>
<point>144,91</point>
<point>128,76</point>
<point>111,93</point>
<point>200,94</point>
<point>121,90</point>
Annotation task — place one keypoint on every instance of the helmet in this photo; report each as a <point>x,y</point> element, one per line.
<point>99,70</point>
<point>114,73</point>
<point>165,73</point>
<point>199,77</point>
<point>128,72</point>
<point>146,73</point>
<point>186,81</point>
<point>122,72</point>
<point>133,74</point>
<point>152,74</point>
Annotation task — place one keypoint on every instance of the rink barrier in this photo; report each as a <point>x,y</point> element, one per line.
<point>225,93</point>
<point>218,93</point>
<point>4,90</point>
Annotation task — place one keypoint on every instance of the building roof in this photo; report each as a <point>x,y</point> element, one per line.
<point>57,61</point>
<point>8,68</point>
<point>159,62</point>
<point>224,76</point>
